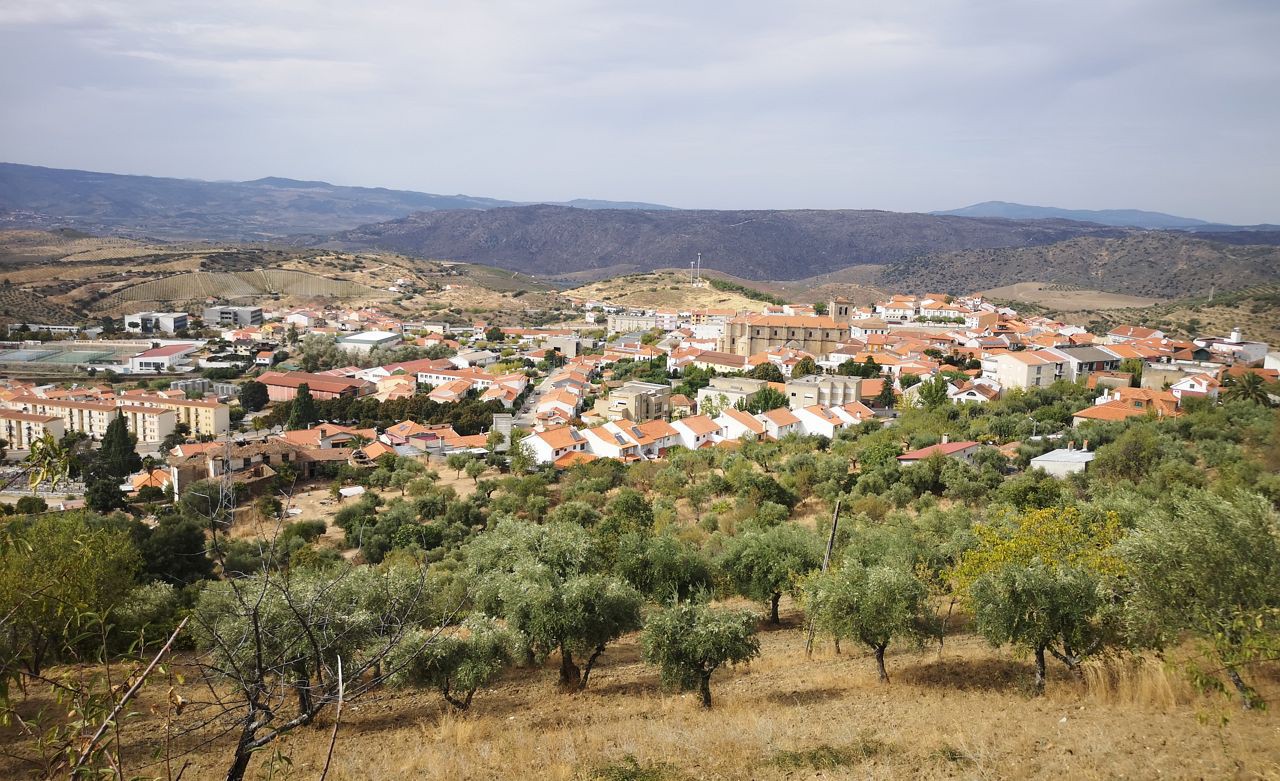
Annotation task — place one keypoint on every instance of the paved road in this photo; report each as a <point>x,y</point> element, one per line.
<point>524,418</point>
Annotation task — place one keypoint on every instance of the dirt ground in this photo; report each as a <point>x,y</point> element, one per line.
<point>1065,299</point>
<point>964,712</point>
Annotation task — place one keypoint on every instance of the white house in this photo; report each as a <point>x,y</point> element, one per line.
<point>697,431</point>
<point>737,424</point>
<point>547,446</point>
<point>780,422</point>
<point>1063,461</point>
<point>1195,385</point>
<point>820,419</point>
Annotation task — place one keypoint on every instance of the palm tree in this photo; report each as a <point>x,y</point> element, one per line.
<point>1247,387</point>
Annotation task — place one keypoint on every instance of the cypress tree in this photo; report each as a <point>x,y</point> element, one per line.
<point>302,412</point>
<point>118,457</point>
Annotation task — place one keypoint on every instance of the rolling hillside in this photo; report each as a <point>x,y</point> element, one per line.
<point>760,245</point>
<point>1148,264</point>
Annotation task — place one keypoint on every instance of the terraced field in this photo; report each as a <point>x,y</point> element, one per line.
<point>198,285</point>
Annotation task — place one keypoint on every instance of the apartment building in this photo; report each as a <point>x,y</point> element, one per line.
<point>20,429</point>
<point>156,322</point>
<point>227,316</point>
<point>728,391</point>
<point>639,401</point>
<point>201,417</point>
<point>149,424</point>
<point>828,390</point>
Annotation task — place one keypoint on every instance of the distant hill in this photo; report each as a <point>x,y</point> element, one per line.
<point>272,207</point>
<point>779,245</point>
<point>1152,264</point>
<point>1120,218</point>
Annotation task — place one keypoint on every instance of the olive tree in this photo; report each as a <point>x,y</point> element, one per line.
<point>765,565</point>
<point>1043,582</point>
<point>273,639</point>
<point>458,663</point>
<point>546,582</point>
<point>690,641</point>
<point>870,604</point>
<point>663,567</point>
<point>1210,565</point>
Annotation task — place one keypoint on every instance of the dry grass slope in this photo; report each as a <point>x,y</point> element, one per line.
<point>964,711</point>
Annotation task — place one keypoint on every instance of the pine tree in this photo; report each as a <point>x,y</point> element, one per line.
<point>302,412</point>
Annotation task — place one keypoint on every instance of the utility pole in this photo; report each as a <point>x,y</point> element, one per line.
<point>826,564</point>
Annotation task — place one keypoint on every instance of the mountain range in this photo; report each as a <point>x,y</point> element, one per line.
<point>782,245</point>
<point>983,246</point>
<point>1119,218</point>
<point>261,209</point>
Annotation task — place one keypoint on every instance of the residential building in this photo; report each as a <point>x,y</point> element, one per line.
<point>156,322</point>
<point>624,323</point>
<point>551,445</point>
<point>283,386</point>
<point>227,316</point>
<point>20,429</point>
<point>737,424</point>
<point>959,451</point>
<point>724,392</point>
<point>639,401</point>
<point>780,422</point>
<point>829,390</point>
<point>1026,368</point>
<point>150,424</point>
<point>698,431</point>
<point>201,417</point>
<point>1063,461</point>
<point>821,420</point>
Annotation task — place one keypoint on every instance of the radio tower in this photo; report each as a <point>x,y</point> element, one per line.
<point>699,277</point>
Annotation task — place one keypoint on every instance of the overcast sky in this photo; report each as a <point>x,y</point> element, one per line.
<point>1170,105</point>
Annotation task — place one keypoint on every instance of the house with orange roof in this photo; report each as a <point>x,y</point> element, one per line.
<point>1123,403</point>
<point>697,431</point>
<point>154,478</point>
<point>959,451</point>
<point>1201,385</point>
<point>821,420</point>
<point>854,412</point>
<point>780,422</point>
<point>737,424</point>
<point>1128,333</point>
<point>555,443</point>
<point>450,392</point>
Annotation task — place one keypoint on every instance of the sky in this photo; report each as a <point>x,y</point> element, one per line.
<point>1170,105</point>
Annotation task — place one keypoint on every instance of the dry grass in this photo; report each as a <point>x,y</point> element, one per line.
<point>1061,298</point>
<point>666,290</point>
<point>965,712</point>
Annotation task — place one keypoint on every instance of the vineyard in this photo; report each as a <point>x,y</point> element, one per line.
<point>199,285</point>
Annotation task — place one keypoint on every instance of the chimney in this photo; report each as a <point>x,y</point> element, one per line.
<point>1236,336</point>
<point>946,438</point>
<point>1085,446</point>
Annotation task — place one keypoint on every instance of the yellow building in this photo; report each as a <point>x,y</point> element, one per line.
<point>150,424</point>
<point>19,429</point>
<point>202,417</point>
<point>751,334</point>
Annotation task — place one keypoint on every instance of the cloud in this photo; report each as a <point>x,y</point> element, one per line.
<point>1164,104</point>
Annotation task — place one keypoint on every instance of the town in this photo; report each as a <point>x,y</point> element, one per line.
<point>202,393</point>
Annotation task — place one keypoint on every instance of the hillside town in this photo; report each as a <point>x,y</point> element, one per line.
<point>198,391</point>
